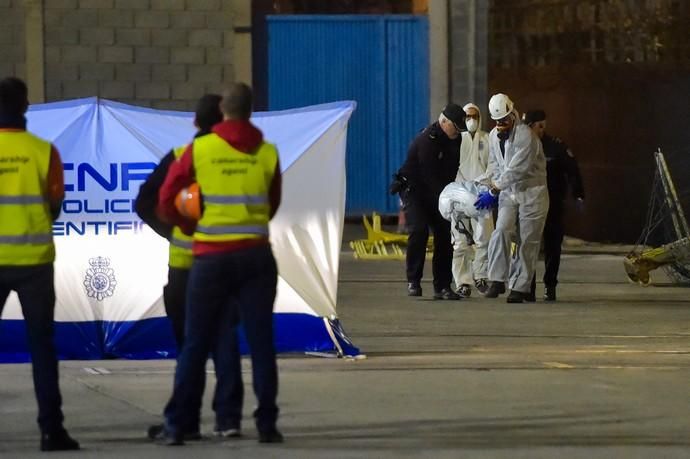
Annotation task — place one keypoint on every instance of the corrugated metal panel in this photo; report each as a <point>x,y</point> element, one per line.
<point>407,63</point>
<point>317,59</point>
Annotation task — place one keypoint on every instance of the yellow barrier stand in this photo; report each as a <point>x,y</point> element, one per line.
<point>380,244</point>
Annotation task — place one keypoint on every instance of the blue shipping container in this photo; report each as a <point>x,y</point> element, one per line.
<point>382,62</point>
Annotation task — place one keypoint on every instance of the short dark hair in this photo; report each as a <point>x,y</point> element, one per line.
<point>208,111</point>
<point>14,96</point>
<point>237,101</point>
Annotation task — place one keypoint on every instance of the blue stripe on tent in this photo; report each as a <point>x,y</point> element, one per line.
<point>153,338</point>
<point>305,333</point>
<point>76,340</point>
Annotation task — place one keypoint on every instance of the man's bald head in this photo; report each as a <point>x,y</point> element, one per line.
<point>237,102</point>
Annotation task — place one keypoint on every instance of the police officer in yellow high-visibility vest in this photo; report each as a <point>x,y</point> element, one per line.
<point>229,394</point>
<point>31,193</point>
<point>234,270</point>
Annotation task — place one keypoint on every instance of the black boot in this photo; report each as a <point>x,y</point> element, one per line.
<point>158,432</point>
<point>270,436</point>
<point>550,293</point>
<point>446,294</point>
<point>58,441</point>
<point>414,289</point>
<point>495,288</point>
<point>515,297</point>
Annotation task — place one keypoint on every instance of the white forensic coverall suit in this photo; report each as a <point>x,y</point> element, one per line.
<point>523,203</point>
<point>471,262</point>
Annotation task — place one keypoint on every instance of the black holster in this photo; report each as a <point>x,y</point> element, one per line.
<point>399,185</point>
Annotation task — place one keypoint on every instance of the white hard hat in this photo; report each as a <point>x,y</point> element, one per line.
<point>500,106</point>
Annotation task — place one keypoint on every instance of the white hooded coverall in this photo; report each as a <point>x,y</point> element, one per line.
<point>522,205</point>
<point>471,262</point>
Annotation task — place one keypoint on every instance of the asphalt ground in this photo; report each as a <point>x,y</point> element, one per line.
<point>602,373</point>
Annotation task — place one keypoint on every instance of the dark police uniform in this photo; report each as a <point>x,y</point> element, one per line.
<point>431,164</point>
<point>562,172</point>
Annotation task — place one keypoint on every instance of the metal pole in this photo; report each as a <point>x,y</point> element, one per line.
<point>439,56</point>
<point>472,50</point>
<point>35,56</point>
<point>680,223</point>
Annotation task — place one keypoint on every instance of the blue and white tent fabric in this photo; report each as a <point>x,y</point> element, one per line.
<point>111,268</point>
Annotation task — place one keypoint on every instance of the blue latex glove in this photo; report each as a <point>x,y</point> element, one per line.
<point>485,200</point>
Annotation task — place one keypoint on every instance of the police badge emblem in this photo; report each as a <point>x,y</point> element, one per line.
<point>100,279</point>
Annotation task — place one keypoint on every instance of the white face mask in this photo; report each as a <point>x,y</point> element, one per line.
<point>471,124</point>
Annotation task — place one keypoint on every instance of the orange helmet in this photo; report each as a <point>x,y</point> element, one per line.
<point>188,202</point>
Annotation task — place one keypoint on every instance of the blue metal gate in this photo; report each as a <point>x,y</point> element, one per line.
<point>382,62</point>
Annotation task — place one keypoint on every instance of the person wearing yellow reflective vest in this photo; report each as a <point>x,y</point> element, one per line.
<point>229,393</point>
<point>180,249</point>
<point>180,256</point>
<point>31,194</point>
<point>234,272</point>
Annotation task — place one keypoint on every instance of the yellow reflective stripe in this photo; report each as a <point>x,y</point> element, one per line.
<point>22,199</point>
<point>236,199</point>
<point>27,239</point>
<point>234,229</point>
<point>183,244</point>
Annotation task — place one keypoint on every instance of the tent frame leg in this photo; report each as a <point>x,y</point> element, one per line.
<point>329,329</point>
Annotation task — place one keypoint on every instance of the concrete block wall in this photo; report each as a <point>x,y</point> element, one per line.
<point>469,30</point>
<point>156,53</point>
<point>12,49</point>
